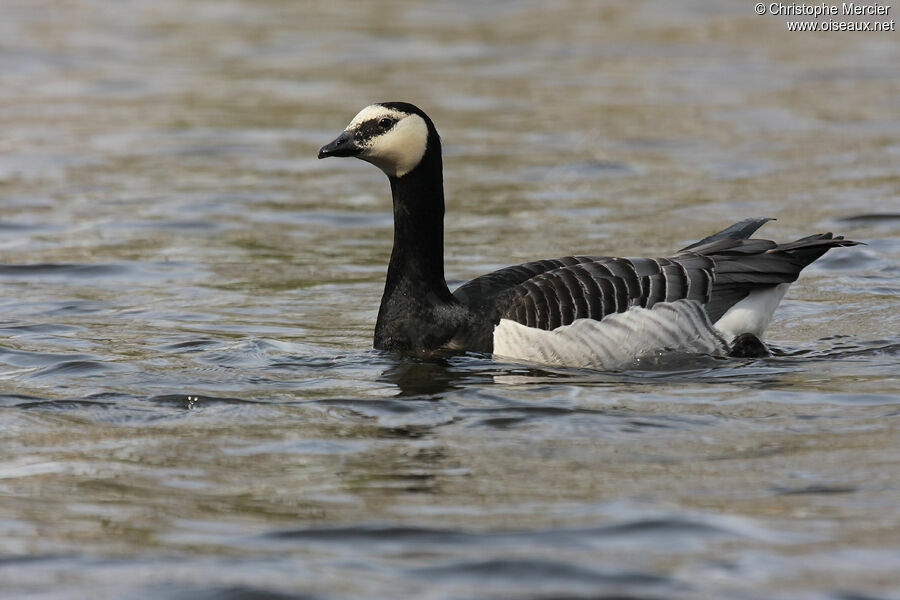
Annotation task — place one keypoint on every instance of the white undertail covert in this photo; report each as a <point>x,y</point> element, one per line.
<point>752,314</point>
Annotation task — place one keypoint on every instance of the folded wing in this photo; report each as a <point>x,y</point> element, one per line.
<point>716,272</point>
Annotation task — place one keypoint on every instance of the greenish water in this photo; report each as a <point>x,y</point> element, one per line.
<point>189,405</point>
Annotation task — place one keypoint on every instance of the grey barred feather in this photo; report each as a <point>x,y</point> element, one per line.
<point>586,287</point>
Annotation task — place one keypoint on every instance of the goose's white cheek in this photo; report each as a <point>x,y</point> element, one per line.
<point>401,149</point>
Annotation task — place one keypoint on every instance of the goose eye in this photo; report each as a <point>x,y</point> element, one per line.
<point>386,123</point>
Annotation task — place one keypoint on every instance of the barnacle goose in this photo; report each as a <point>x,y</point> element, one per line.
<point>716,296</point>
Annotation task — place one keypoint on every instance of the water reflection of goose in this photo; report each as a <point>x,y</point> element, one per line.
<point>716,296</point>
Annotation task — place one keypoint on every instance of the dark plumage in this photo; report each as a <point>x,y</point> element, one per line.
<point>419,313</point>
<point>718,274</point>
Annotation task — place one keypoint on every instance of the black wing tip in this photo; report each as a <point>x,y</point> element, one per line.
<point>742,230</point>
<point>841,241</point>
<point>739,234</point>
<point>827,239</point>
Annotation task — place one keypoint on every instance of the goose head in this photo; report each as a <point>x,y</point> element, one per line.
<point>393,136</point>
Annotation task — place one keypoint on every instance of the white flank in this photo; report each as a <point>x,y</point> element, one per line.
<point>619,341</point>
<point>752,314</point>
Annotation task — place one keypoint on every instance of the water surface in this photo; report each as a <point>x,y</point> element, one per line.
<point>189,405</point>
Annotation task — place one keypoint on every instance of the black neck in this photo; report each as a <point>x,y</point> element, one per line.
<point>418,255</point>
<point>416,306</point>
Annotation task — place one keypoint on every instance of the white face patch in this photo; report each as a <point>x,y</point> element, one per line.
<point>373,113</point>
<point>396,151</point>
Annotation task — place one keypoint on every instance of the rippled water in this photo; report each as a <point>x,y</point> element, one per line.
<point>189,405</point>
